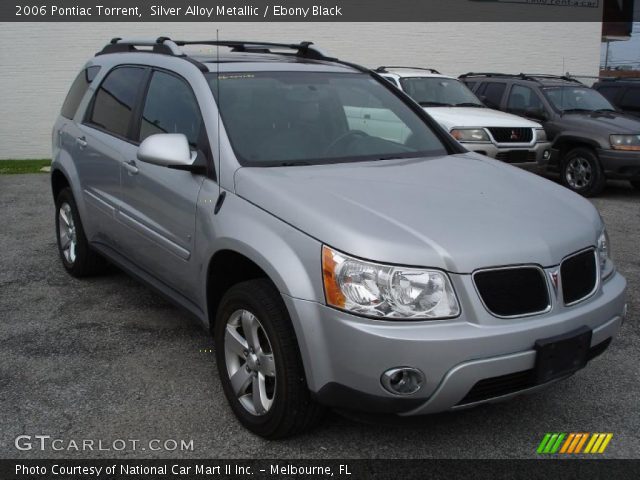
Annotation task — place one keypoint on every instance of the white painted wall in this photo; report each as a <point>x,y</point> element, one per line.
<point>38,61</point>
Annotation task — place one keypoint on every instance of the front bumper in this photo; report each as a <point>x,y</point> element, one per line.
<point>513,153</point>
<point>345,355</point>
<point>619,164</point>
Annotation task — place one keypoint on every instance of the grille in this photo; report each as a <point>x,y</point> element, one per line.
<point>516,156</point>
<point>511,292</point>
<point>514,382</point>
<point>579,276</point>
<point>512,135</point>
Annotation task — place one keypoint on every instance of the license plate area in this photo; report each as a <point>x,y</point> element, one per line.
<point>562,355</point>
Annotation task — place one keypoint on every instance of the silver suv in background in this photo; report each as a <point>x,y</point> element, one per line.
<point>340,262</point>
<point>496,134</point>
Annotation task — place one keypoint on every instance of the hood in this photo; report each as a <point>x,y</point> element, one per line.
<point>451,117</point>
<point>603,122</point>
<point>458,212</point>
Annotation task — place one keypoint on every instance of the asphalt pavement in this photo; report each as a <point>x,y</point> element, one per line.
<point>107,359</point>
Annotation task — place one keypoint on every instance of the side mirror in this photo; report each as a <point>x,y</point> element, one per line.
<point>536,114</point>
<point>166,150</point>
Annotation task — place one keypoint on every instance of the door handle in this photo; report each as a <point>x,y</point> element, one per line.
<point>130,166</point>
<point>81,141</point>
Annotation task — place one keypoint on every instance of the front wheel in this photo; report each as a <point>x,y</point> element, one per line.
<point>259,362</point>
<point>582,173</point>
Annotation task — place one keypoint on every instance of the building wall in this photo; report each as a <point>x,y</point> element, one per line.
<point>38,61</point>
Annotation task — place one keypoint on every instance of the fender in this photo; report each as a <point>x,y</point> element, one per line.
<point>575,137</point>
<point>280,250</point>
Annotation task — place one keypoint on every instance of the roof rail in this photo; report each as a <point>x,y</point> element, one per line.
<point>303,49</point>
<point>166,46</point>
<point>384,69</point>
<point>162,45</point>
<point>535,77</point>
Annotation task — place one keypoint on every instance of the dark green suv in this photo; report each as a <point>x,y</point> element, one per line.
<point>591,140</point>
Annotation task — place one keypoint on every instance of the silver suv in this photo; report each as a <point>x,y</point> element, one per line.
<point>342,247</point>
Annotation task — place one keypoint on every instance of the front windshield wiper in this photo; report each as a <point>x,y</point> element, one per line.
<point>599,110</point>
<point>434,104</point>
<point>469,104</point>
<point>576,110</point>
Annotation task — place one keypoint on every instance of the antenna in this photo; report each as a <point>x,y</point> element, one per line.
<point>221,194</point>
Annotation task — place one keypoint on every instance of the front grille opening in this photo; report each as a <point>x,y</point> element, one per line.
<point>514,382</point>
<point>579,276</point>
<point>513,292</point>
<point>516,156</point>
<point>512,135</point>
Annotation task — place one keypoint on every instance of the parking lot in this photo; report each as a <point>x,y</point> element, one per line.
<point>107,358</point>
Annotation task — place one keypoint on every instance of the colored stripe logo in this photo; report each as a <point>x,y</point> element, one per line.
<point>574,443</point>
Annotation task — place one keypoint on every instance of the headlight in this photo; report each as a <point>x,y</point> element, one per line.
<point>625,142</point>
<point>604,255</point>
<point>541,135</point>
<point>386,291</point>
<point>470,135</point>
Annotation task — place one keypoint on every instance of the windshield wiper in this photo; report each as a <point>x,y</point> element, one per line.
<point>299,163</point>
<point>469,104</point>
<point>599,110</point>
<point>434,104</point>
<point>574,110</point>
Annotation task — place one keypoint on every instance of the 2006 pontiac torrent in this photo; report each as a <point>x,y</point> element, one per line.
<point>342,247</point>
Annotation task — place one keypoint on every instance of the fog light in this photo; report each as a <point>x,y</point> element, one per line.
<point>546,155</point>
<point>402,380</point>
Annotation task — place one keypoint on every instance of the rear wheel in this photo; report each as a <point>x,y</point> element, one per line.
<point>77,256</point>
<point>259,362</point>
<point>582,173</point>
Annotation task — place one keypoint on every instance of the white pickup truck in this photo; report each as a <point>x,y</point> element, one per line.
<point>496,134</point>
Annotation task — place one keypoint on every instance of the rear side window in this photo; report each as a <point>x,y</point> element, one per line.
<point>76,92</point>
<point>609,93</point>
<point>493,94</point>
<point>115,99</point>
<point>631,99</point>
<point>170,107</point>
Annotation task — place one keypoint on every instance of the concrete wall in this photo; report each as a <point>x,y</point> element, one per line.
<point>38,61</point>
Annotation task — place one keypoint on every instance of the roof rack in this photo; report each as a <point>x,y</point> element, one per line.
<point>524,76</point>
<point>166,46</point>
<point>385,69</point>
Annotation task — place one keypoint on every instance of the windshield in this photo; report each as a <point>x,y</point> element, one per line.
<point>568,99</point>
<point>304,118</point>
<point>438,91</point>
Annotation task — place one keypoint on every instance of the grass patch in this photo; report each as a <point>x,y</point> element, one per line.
<point>8,167</point>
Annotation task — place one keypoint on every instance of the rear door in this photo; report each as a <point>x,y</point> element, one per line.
<point>159,203</point>
<point>102,141</point>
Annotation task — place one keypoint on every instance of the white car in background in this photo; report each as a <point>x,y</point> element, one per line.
<point>496,134</point>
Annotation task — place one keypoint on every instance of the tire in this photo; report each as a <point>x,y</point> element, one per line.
<point>635,184</point>
<point>284,406</point>
<point>77,256</point>
<point>582,173</point>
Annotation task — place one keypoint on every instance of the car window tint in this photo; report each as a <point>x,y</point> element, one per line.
<point>77,91</point>
<point>115,99</point>
<point>609,92</point>
<point>493,94</point>
<point>631,99</point>
<point>522,99</point>
<point>471,85</point>
<point>170,107</point>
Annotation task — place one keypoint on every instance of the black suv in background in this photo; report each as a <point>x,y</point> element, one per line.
<point>624,93</point>
<point>591,140</point>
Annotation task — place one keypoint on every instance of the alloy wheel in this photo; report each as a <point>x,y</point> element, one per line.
<point>250,362</point>
<point>67,233</point>
<point>579,173</point>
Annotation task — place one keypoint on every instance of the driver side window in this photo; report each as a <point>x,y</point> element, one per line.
<point>523,99</point>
